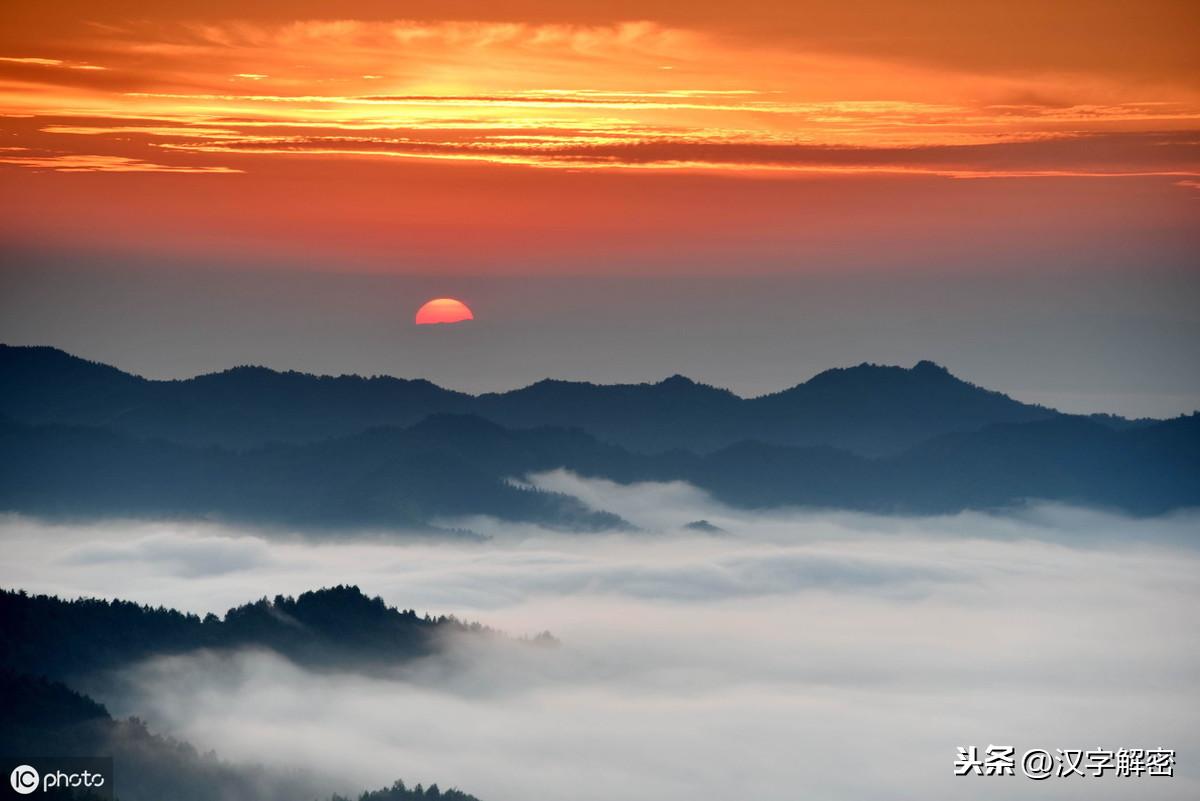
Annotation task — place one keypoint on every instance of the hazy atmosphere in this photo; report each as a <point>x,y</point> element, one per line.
<point>599,400</point>
<point>1097,340</point>
<point>689,666</point>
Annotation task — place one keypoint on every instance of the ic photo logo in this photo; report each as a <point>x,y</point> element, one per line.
<point>81,777</point>
<point>24,779</point>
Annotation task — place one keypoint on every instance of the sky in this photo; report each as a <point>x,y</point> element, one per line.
<point>748,193</point>
<point>799,654</point>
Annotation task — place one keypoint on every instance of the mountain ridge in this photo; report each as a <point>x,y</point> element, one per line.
<point>868,408</point>
<point>322,454</point>
<point>452,466</point>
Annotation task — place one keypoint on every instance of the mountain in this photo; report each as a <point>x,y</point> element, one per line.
<point>459,465</point>
<point>879,410</point>
<point>46,640</point>
<point>46,636</point>
<point>1142,470</point>
<point>384,478</point>
<point>674,413</point>
<point>240,407</point>
<point>1146,469</point>
<point>39,716</point>
<point>869,409</point>
<point>255,446</point>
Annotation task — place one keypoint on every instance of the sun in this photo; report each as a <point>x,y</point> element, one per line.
<point>443,310</point>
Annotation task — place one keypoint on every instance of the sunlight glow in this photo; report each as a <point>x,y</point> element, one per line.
<point>571,96</point>
<point>443,310</point>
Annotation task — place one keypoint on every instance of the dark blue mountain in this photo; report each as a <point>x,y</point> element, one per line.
<point>877,409</point>
<point>457,465</point>
<point>868,409</point>
<point>240,407</point>
<point>252,445</point>
<point>384,478</point>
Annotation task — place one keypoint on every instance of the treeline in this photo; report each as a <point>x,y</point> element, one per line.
<point>399,792</point>
<point>43,635</point>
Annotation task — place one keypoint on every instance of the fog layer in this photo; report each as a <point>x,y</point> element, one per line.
<point>783,656</point>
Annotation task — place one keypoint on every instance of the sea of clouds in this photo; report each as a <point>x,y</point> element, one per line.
<point>781,655</point>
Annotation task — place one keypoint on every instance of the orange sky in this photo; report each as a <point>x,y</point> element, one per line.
<point>317,128</point>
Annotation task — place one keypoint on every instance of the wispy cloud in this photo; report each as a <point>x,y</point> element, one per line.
<point>83,162</point>
<point>586,96</point>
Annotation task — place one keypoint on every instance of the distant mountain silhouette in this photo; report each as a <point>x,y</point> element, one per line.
<point>868,409</point>
<point>1143,470</point>
<point>257,446</point>
<point>875,409</point>
<point>458,465</point>
<point>385,478</point>
<point>241,407</point>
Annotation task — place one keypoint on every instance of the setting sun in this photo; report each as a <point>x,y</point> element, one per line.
<point>443,310</point>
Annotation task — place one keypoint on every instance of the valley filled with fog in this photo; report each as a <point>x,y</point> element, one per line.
<point>704,653</point>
